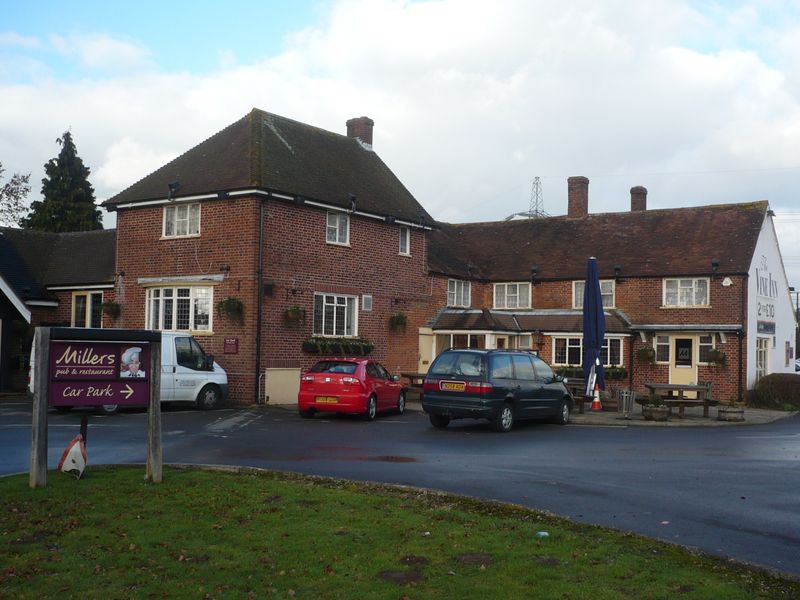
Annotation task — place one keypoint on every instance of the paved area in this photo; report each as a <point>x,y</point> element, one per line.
<point>692,418</point>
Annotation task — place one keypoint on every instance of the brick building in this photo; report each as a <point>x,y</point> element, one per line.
<point>703,288</point>
<point>272,240</point>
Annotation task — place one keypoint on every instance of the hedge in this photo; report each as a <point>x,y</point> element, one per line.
<point>779,391</point>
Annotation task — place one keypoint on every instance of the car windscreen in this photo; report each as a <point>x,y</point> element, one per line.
<point>334,366</point>
<point>459,364</point>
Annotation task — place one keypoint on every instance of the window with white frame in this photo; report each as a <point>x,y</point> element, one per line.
<point>181,220</point>
<point>458,293</point>
<point>87,309</point>
<point>662,348</point>
<point>179,308</point>
<point>335,315</point>
<point>606,291</point>
<point>611,352</point>
<point>338,228</point>
<point>405,241</point>
<point>705,344</point>
<point>569,351</point>
<point>686,292</point>
<point>512,295</point>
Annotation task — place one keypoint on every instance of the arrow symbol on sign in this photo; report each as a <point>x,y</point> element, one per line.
<point>128,390</point>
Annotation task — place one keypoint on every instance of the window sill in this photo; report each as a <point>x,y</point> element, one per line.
<point>347,245</point>
<point>693,306</point>
<point>179,237</point>
<point>406,254</point>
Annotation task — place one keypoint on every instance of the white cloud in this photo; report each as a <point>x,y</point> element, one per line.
<point>10,38</point>
<point>471,100</point>
<point>102,52</point>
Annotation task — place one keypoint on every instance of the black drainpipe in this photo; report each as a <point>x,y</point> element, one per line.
<point>259,295</point>
<point>745,280</point>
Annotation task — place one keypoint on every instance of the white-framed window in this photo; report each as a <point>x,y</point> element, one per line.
<point>662,348</point>
<point>611,352</point>
<point>338,228</point>
<point>335,315</point>
<point>606,291</point>
<point>525,340</point>
<point>405,241</point>
<point>686,292</point>
<point>705,344</point>
<point>459,293</point>
<point>181,220</point>
<point>179,308</point>
<point>87,309</point>
<point>366,302</point>
<point>512,295</point>
<point>568,351</point>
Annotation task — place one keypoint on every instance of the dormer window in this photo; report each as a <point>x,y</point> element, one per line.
<point>606,291</point>
<point>458,293</point>
<point>686,292</point>
<point>181,220</point>
<point>338,229</point>
<point>512,295</point>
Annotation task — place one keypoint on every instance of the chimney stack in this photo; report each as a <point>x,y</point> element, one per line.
<point>638,198</point>
<point>577,196</point>
<point>361,128</point>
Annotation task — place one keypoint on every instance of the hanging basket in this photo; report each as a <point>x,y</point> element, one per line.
<point>398,321</point>
<point>111,308</point>
<point>646,355</point>
<point>231,307</point>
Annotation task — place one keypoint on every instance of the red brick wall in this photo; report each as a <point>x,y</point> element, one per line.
<point>297,262</point>
<point>641,300</point>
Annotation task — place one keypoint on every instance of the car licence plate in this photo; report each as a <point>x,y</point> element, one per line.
<point>326,399</point>
<point>452,386</point>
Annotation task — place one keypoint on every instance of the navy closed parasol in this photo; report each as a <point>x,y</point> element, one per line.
<point>594,329</point>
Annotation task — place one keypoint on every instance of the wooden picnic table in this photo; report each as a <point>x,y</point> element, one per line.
<point>676,395</point>
<point>414,379</point>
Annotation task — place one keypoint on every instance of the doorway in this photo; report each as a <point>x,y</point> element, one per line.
<point>683,368</point>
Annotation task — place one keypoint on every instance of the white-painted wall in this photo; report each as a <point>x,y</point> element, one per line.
<point>774,302</point>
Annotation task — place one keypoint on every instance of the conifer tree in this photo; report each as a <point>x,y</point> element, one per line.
<point>68,203</point>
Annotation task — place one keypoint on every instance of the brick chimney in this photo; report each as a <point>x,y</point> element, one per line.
<point>638,198</point>
<point>577,196</point>
<point>361,128</point>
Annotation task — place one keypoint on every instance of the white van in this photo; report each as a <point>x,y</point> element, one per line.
<point>187,374</point>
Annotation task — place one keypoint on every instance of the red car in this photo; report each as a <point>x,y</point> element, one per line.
<point>357,386</point>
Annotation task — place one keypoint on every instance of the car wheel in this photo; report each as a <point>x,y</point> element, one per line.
<point>372,408</point>
<point>306,414</point>
<point>563,413</point>
<point>504,419</point>
<point>401,403</point>
<point>108,409</point>
<point>439,421</point>
<point>208,398</point>
<point>63,409</point>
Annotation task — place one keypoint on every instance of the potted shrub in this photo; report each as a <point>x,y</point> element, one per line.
<point>111,308</point>
<point>646,355</point>
<point>231,307</point>
<point>716,357</point>
<point>654,409</point>
<point>730,412</point>
<point>294,315</point>
<point>398,321</point>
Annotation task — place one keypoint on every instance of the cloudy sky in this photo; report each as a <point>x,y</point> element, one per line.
<point>697,101</point>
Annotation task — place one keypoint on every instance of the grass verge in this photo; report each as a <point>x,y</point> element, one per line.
<point>222,534</point>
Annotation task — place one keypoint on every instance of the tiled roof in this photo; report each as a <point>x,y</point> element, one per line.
<point>269,152</point>
<point>651,243</point>
<point>529,320</point>
<point>33,260</point>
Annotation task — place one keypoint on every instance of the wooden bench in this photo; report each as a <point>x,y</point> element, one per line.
<point>682,403</point>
